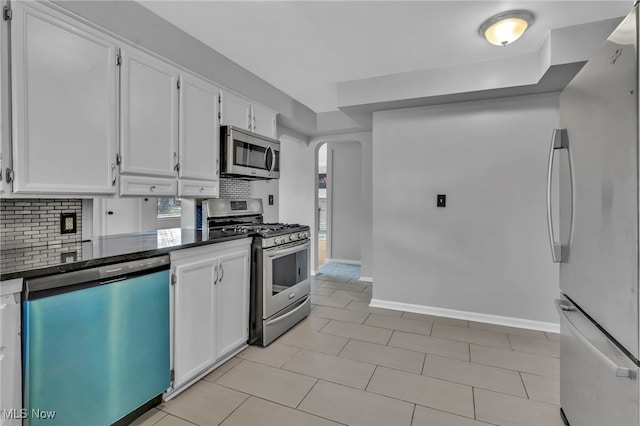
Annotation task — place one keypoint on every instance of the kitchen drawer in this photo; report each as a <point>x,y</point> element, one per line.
<point>199,189</point>
<point>153,187</point>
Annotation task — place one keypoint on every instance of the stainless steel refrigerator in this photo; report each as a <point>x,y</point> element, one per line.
<point>594,161</point>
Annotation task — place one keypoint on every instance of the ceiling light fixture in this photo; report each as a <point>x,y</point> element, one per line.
<point>506,27</point>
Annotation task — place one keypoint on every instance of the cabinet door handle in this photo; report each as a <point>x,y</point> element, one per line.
<point>254,123</point>
<point>221,272</point>
<point>152,188</point>
<point>176,162</point>
<point>113,175</point>
<point>215,268</point>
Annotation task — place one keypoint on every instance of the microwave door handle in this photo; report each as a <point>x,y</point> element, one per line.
<point>273,159</point>
<point>266,156</point>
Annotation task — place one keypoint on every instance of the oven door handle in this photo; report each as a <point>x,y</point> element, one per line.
<point>279,251</point>
<point>288,314</point>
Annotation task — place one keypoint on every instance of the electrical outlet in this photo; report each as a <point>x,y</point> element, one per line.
<point>442,200</point>
<point>270,200</point>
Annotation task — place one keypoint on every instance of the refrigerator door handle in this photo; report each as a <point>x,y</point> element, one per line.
<point>619,371</point>
<point>559,140</point>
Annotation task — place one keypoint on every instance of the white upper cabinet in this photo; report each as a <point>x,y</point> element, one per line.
<point>64,87</point>
<point>239,112</point>
<point>5,137</point>
<point>148,115</point>
<point>236,111</point>
<point>264,121</point>
<point>199,129</point>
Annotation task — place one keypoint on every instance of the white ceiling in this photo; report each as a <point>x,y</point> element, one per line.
<point>304,48</point>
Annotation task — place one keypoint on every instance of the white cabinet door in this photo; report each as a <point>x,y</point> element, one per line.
<point>64,104</point>
<point>199,129</point>
<point>264,121</point>
<point>232,301</point>
<point>121,215</point>
<point>5,137</point>
<point>10,359</point>
<point>236,111</point>
<point>194,317</point>
<point>149,115</point>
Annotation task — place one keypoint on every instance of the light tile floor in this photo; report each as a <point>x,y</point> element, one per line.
<point>351,364</point>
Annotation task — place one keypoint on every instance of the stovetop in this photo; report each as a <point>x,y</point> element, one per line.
<point>265,230</point>
<point>269,234</point>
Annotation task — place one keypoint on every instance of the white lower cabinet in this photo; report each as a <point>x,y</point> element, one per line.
<point>10,353</point>
<point>232,302</point>
<point>210,308</point>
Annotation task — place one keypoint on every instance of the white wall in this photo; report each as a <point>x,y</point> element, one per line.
<point>297,183</point>
<point>344,160</point>
<point>262,189</point>
<point>487,252</point>
<point>136,214</point>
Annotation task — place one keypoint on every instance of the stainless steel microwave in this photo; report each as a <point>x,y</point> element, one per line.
<point>248,155</point>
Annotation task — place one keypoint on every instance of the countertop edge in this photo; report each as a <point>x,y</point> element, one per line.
<point>136,255</point>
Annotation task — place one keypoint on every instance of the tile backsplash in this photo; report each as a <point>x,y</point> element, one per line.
<point>234,188</point>
<point>36,222</point>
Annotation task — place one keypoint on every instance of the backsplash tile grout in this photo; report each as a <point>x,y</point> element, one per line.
<point>36,222</point>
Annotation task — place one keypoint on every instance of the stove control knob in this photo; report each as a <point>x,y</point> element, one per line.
<point>276,240</point>
<point>302,235</point>
<point>292,237</point>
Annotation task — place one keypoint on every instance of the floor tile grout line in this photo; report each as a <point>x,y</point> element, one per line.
<point>235,409</point>
<point>414,403</point>
<point>476,386</point>
<point>473,400</point>
<point>413,414</point>
<point>524,385</point>
<point>165,415</point>
<point>371,378</point>
<point>307,394</point>
<point>512,352</point>
<point>225,373</point>
<point>342,349</point>
<point>176,416</point>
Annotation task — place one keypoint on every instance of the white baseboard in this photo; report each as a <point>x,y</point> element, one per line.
<point>313,273</point>
<point>348,262</point>
<point>366,279</point>
<point>469,316</point>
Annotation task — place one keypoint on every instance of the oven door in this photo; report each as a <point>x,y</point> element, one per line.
<point>286,276</point>
<point>246,154</point>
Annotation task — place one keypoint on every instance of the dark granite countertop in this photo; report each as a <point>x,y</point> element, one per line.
<point>40,260</point>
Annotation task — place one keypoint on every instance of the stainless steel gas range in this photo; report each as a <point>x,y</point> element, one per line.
<point>280,262</point>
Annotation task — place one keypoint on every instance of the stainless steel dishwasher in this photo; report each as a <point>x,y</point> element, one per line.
<point>96,343</point>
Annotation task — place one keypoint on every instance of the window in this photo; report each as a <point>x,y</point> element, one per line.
<point>169,207</point>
